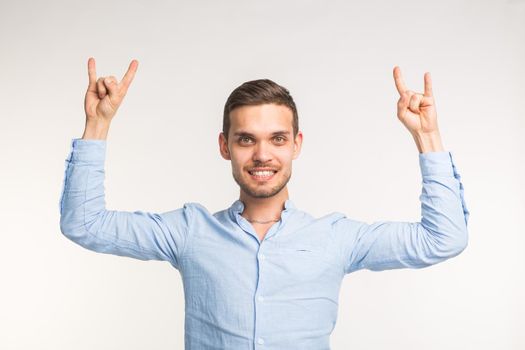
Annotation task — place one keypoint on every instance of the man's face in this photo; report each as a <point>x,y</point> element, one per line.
<point>261,148</point>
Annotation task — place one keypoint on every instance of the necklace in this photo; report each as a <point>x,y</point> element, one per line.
<point>262,222</point>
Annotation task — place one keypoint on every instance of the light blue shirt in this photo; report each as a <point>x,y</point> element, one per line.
<point>278,293</point>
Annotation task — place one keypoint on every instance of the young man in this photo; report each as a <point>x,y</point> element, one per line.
<point>262,274</point>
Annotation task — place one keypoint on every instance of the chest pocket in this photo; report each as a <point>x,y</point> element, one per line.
<point>304,263</point>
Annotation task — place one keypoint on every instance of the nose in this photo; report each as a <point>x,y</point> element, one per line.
<point>262,153</point>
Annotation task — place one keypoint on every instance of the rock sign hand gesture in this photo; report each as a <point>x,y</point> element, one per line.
<point>104,96</point>
<point>416,111</point>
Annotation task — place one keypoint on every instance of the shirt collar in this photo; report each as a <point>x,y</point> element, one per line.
<point>238,206</point>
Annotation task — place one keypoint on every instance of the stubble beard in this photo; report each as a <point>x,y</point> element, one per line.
<point>255,192</point>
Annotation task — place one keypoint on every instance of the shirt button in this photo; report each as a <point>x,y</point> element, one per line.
<point>261,256</point>
<point>260,341</point>
<point>260,298</point>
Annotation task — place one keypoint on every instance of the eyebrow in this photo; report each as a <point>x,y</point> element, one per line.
<point>245,133</point>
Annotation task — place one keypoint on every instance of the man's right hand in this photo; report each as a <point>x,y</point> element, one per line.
<point>103,98</point>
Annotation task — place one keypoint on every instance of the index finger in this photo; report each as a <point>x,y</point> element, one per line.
<point>130,74</point>
<point>400,84</point>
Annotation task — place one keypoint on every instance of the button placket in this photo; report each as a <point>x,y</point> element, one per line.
<point>258,297</point>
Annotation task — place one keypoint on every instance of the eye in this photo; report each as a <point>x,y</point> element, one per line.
<point>242,138</point>
<point>280,139</point>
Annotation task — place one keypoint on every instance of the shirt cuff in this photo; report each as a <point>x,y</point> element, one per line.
<point>436,163</point>
<point>87,150</point>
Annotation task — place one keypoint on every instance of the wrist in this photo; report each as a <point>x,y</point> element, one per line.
<point>428,142</point>
<point>96,130</point>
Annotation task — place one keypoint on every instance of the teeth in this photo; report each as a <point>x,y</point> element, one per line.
<point>262,173</point>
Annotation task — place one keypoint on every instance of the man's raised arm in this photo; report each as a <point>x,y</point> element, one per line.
<point>440,235</point>
<point>83,216</point>
<point>442,232</point>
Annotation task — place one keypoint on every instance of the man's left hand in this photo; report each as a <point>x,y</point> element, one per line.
<point>418,113</point>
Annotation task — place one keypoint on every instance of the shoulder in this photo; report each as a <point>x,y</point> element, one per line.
<point>330,221</point>
<point>200,213</point>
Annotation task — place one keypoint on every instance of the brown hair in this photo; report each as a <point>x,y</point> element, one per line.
<point>257,92</point>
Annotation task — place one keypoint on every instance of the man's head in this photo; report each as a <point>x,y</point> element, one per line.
<point>260,132</point>
<point>258,92</point>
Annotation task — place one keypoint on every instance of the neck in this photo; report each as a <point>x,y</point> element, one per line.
<point>264,209</point>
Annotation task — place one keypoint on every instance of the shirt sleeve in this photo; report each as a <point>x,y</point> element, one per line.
<point>441,234</point>
<point>85,220</point>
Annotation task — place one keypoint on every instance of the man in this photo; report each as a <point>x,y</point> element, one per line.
<point>262,274</point>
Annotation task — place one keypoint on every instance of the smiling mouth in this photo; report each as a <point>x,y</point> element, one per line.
<point>262,175</point>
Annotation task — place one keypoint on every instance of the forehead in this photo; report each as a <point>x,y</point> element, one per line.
<point>261,119</point>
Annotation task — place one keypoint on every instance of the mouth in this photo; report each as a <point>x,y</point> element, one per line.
<point>262,174</point>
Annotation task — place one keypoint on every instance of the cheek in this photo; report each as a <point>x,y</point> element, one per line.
<point>239,160</point>
<point>285,156</point>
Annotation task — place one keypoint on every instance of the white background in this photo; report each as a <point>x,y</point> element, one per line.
<point>336,58</point>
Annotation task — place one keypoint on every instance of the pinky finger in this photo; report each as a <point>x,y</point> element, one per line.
<point>428,84</point>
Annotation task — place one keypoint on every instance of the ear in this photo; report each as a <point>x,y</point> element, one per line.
<point>298,142</point>
<point>223,147</point>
